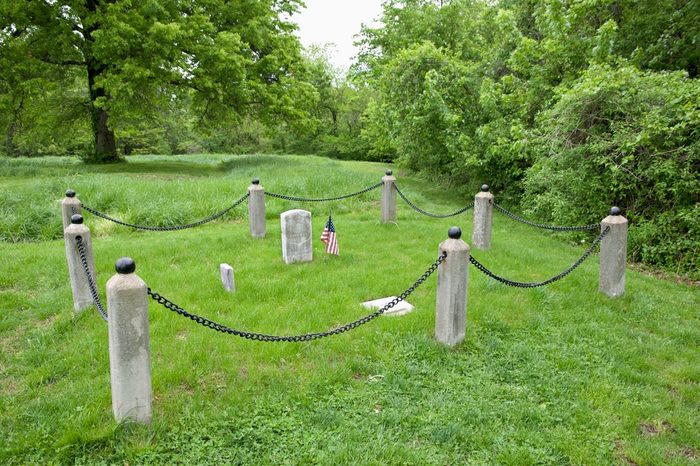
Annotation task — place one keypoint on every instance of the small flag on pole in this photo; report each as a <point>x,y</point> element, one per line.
<point>329,238</point>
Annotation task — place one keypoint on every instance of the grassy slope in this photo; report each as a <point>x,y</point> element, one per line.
<point>555,375</point>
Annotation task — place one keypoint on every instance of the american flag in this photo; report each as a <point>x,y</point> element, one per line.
<point>329,238</point>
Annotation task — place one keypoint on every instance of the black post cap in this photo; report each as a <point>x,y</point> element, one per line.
<point>455,233</point>
<point>615,210</point>
<point>70,193</point>
<point>485,188</point>
<point>389,173</point>
<point>76,219</point>
<point>125,265</point>
<point>256,180</point>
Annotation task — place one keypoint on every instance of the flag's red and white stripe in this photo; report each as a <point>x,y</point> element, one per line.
<point>328,237</point>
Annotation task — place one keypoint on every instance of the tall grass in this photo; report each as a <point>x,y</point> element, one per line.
<point>554,375</point>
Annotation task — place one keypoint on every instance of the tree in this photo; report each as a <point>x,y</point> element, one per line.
<point>231,58</point>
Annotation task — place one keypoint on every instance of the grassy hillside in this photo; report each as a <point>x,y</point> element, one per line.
<point>553,375</point>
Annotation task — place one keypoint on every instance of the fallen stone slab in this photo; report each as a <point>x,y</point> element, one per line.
<point>401,308</point>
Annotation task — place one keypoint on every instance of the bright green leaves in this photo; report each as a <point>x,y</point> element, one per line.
<point>222,59</point>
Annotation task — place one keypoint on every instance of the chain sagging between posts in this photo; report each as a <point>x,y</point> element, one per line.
<point>421,211</point>
<point>90,279</point>
<point>297,338</point>
<point>323,199</point>
<point>517,218</point>
<point>172,228</point>
<point>559,276</point>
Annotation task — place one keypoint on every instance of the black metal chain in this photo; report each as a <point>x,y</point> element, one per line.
<point>91,281</point>
<point>418,209</point>
<point>323,199</point>
<point>172,228</point>
<point>505,281</point>
<point>592,226</point>
<point>304,337</point>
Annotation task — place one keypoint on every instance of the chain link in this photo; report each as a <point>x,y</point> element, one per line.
<point>418,209</point>
<point>297,338</point>
<point>323,199</point>
<point>91,281</point>
<point>592,226</point>
<point>172,228</point>
<point>566,272</point>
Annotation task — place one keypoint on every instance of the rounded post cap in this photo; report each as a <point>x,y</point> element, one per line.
<point>125,265</point>
<point>70,193</point>
<point>615,210</point>
<point>256,181</point>
<point>455,233</point>
<point>76,219</point>
<point>389,173</point>
<point>485,188</point>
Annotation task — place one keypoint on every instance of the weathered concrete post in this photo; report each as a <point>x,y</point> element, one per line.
<point>70,205</point>
<point>129,351</point>
<point>256,209</point>
<point>82,298</point>
<point>483,217</point>
<point>389,198</point>
<point>296,236</point>
<point>452,282</point>
<point>613,254</point>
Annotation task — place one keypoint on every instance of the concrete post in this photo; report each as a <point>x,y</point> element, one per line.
<point>82,298</point>
<point>389,198</point>
<point>129,351</point>
<point>483,217</point>
<point>256,209</point>
<point>613,254</point>
<point>452,282</point>
<point>70,205</point>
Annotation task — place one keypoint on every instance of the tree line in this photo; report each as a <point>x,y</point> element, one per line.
<point>565,107</point>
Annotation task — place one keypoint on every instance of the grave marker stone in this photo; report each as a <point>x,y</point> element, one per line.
<point>227,277</point>
<point>296,236</point>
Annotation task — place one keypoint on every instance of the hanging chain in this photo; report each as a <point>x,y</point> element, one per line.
<point>173,228</point>
<point>592,226</point>
<point>323,199</point>
<point>505,281</point>
<point>91,281</point>
<point>418,209</point>
<point>304,337</point>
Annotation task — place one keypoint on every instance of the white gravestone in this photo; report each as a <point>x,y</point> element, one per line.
<point>296,236</point>
<point>401,308</point>
<point>227,277</point>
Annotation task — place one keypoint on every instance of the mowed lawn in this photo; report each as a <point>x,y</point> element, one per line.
<point>554,375</point>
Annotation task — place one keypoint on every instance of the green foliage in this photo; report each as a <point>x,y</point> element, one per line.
<point>221,60</point>
<point>482,92</point>
<point>628,138</point>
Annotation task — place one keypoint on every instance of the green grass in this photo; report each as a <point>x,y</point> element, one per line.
<point>554,375</point>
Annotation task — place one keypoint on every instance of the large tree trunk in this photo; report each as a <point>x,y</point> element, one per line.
<point>105,143</point>
<point>10,147</point>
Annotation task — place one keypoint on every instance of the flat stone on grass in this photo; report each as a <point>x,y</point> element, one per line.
<point>401,308</point>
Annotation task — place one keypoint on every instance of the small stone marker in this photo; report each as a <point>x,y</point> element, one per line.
<point>401,308</point>
<point>227,277</point>
<point>296,236</point>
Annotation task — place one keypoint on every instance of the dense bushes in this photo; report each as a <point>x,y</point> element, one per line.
<point>631,138</point>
